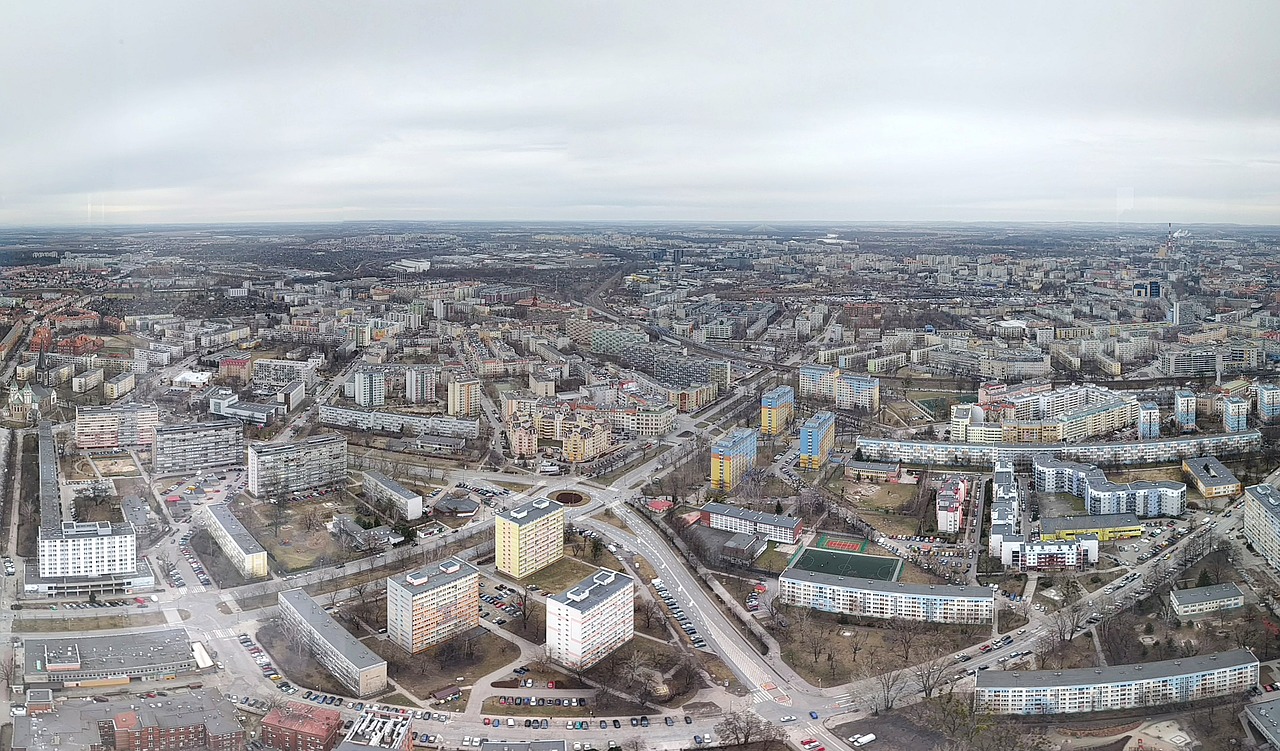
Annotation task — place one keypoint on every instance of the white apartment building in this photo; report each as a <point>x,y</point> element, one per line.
<point>420,384</point>
<point>379,487</point>
<point>370,388</point>
<point>87,381</point>
<point>117,426</point>
<point>201,445</point>
<point>1021,455</point>
<point>240,547</point>
<point>433,604</point>
<point>320,461</point>
<point>355,666</point>
<point>1101,496</point>
<point>394,422</point>
<point>870,598</point>
<point>1197,601</point>
<point>119,385</point>
<point>1152,684</point>
<point>1262,522</point>
<point>86,549</point>
<point>783,529</point>
<point>590,620</point>
<point>277,373</point>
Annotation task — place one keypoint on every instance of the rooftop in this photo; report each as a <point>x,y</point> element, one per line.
<point>377,729</point>
<point>268,449</point>
<point>594,590</point>
<point>243,539</point>
<point>75,723</point>
<point>759,517</point>
<point>305,718</point>
<point>875,585</point>
<point>1099,521</point>
<point>1201,595</point>
<point>425,579</point>
<point>106,653</point>
<point>391,486</point>
<point>530,512</point>
<point>989,679</point>
<point>328,629</point>
<point>1210,472</point>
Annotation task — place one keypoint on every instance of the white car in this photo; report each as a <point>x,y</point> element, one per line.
<point>789,718</point>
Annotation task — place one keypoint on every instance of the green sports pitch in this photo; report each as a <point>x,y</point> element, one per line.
<point>837,563</point>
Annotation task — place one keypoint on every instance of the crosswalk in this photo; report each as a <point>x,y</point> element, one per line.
<point>222,633</point>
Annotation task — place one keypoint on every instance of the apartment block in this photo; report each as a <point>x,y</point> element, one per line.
<point>587,622</point>
<point>270,373</point>
<point>871,598</point>
<point>302,727</point>
<point>1184,409</point>
<point>783,529</point>
<point>380,488</point>
<point>201,445</point>
<point>370,388</point>
<point>950,503</point>
<point>86,381</point>
<point>433,604</point>
<point>855,391</point>
<point>818,381</point>
<point>1148,420</point>
<point>117,426</point>
<point>529,537</point>
<point>464,397</point>
<point>777,410</point>
<point>320,461</point>
<point>731,458</point>
<point>1152,684</point>
<point>1261,525</point>
<point>394,422</point>
<point>1101,496</point>
<point>1235,415</point>
<point>1198,601</point>
<point>235,541</point>
<point>118,385</point>
<point>357,668</point>
<point>817,438</point>
<point>420,384</point>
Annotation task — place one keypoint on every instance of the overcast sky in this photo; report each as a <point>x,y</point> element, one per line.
<point>124,112</point>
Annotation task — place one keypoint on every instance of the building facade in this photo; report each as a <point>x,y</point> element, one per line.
<point>302,727</point>
<point>235,541</point>
<point>817,438</point>
<point>433,604</point>
<point>1198,601</point>
<point>870,598</point>
<point>1261,524</point>
<point>1235,415</point>
<point>529,538</point>
<point>118,426</point>
<point>319,461</point>
<point>1101,496</point>
<point>777,410</point>
<point>783,529</point>
<point>357,668</point>
<point>379,487</point>
<point>370,388</point>
<point>590,620</point>
<point>731,458</point>
<point>464,397</point>
<point>1152,684</point>
<point>198,446</point>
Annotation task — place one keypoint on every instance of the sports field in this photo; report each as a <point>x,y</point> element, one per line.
<point>840,563</point>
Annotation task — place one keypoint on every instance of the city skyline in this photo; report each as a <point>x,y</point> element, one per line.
<point>581,112</point>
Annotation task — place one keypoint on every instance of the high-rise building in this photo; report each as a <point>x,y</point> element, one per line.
<point>1268,399</point>
<point>117,426</point>
<point>777,409</point>
<point>371,388</point>
<point>464,397</point>
<point>197,446</point>
<point>817,438</point>
<point>420,384</point>
<point>1261,524</point>
<point>433,604</point>
<point>857,391</point>
<point>1184,409</point>
<point>818,381</point>
<point>529,537</point>
<point>590,620</point>
<point>319,461</point>
<point>731,457</point>
<point>1148,420</point>
<point>1235,415</point>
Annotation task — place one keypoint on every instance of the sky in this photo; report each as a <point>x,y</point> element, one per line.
<point>139,112</point>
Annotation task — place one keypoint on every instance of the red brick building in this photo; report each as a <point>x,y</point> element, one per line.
<point>302,727</point>
<point>177,728</point>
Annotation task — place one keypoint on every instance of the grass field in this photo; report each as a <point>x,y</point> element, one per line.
<point>841,563</point>
<point>88,623</point>
<point>442,665</point>
<point>560,575</point>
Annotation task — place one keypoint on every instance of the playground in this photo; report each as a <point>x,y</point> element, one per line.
<point>843,556</point>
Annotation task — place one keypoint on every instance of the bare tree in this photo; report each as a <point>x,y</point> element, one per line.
<point>635,744</point>
<point>815,637</point>
<point>649,611</point>
<point>931,673</point>
<point>905,633</point>
<point>746,727</point>
<point>856,642</point>
<point>888,679</point>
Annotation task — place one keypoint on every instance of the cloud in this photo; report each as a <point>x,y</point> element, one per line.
<point>589,110</point>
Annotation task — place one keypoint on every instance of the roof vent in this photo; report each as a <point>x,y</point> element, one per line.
<point>450,567</point>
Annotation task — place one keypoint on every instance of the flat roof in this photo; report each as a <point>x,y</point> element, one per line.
<point>75,725</point>
<point>111,654</point>
<point>241,536</point>
<point>268,449</point>
<point>593,590</point>
<point>391,485</point>
<point>989,679</point>
<point>1265,716</point>
<point>888,587</point>
<point>50,495</point>
<point>530,512</point>
<point>885,467</point>
<point>199,427</point>
<point>1267,496</point>
<point>434,576</point>
<point>1210,472</point>
<point>1201,595</point>
<point>758,517</point>
<point>1098,521</point>
<point>328,629</point>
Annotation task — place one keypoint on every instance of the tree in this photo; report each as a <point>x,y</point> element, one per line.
<point>744,728</point>
<point>814,636</point>
<point>649,612</point>
<point>905,633</point>
<point>888,679</point>
<point>1205,579</point>
<point>932,671</point>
